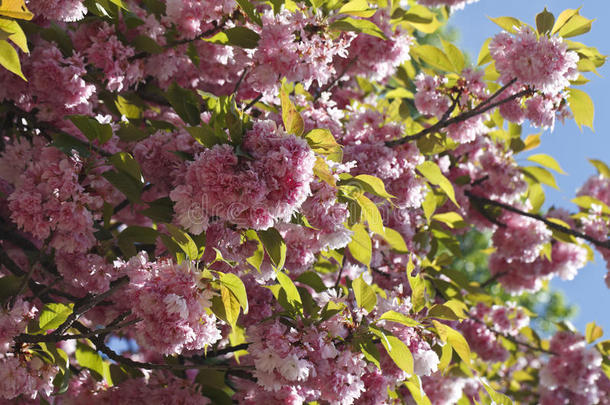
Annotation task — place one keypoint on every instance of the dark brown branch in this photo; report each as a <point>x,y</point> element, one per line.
<point>251,103</point>
<point>89,302</point>
<point>550,224</point>
<point>26,338</point>
<point>480,109</point>
<point>112,355</point>
<point>491,280</point>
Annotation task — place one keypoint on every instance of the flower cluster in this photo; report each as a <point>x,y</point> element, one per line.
<point>251,192</point>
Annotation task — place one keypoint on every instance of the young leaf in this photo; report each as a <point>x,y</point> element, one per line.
<point>432,173</point>
<point>433,57</point>
<point>455,339</point>
<point>53,315</point>
<point>546,161</point>
<point>593,332</point>
<point>509,24</point>
<point>236,286</point>
<point>582,107</point>
<point>10,59</point>
<point>365,294</point>
<point>274,246</point>
<point>292,293</point>
<point>231,305</point>
<point>361,246</point>
<point>601,167</point>
<point>544,21</point>
<point>293,122</point>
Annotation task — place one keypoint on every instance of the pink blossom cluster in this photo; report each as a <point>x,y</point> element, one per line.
<point>158,388</point>
<point>28,379</point>
<point>305,364</point>
<point>192,17</point>
<point>364,142</point>
<point>60,10</point>
<point>170,298</point>
<point>521,238</point>
<point>50,201</point>
<point>374,57</point>
<point>290,47</point>
<point>485,326</point>
<point>14,320</point>
<point>543,63</point>
<point>56,85</point>
<point>249,192</point>
<point>85,273</point>
<point>443,390</point>
<point>572,373</point>
<point>429,99</point>
<point>454,4</point>
<point>101,47</point>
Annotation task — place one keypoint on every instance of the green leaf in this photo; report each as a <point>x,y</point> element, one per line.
<point>185,103</point>
<point>432,173</point>
<point>544,21</point>
<point>92,128</point>
<point>184,240</point>
<point>236,286</point>
<point>586,201</point>
<point>393,316</point>
<point>353,25</point>
<point>15,33</point>
<point>546,161</point>
<point>160,210</point>
<point>373,185</point>
<point>124,162</point>
<point>370,351</point>
<point>358,8</point>
<point>395,240</point>
<point>563,18</point>
<point>248,8</point>
<point>455,339</point>
<point>89,358</point>
<point>236,36</point>
<point>292,293</point>
<point>497,397</point>
<point>127,108</point>
<point>576,25</point>
<point>417,392</point>
<point>365,294</point>
<point>536,196</point>
<point>259,254</point>
<point>541,175</point>
<point>452,219</point>
<point>10,59</point>
<point>125,184</point>
<point>9,286</point>
<point>582,107</point>
<point>454,55</point>
<point>361,246</point>
<point>509,24</point>
<point>371,214</point>
<point>312,279</point>
<point>418,291</point>
<point>593,332</point>
<point>231,305</point>
<point>433,57</point>
<point>323,142</point>
<point>53,315</point>
<point>274,246</point>
<point>136,234</point>
<point>293,122</point>
<point>601,167</point>
<point>398,351</point>
<point>205,135</point>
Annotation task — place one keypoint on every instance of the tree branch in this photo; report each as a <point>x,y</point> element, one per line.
<point>443,123</point>
<point>550,224</point>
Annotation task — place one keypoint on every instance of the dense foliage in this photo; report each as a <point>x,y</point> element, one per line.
<point>289,202</point>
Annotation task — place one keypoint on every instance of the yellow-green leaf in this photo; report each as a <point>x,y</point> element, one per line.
<point>397,317</point>
<point>231,305</point>
<point>454,55</point>
<point>582,107</point>
<point>414,386</point>
<point>601,167</point>
<point>433,57</point>
<point>292,293</point>
<point>455,339</point>
<point>399,352</point>
<point>509,24</point>
<point>433,174</point>
<point>358,8</point>
<point>274,246</point>
<point>371,214</point>
<point>395,240</point>
<point>15,33</point>
<point>361,246</point>
<point>563,18</point>
<point>10,59</point>
<point>593,332</point>
<point>236,286</point>
<point>546,161</point>
<point>541,175</point>
<point>577,25</point>
<point>293,122</point>
<point>373,185</point>
<point>365,294</point>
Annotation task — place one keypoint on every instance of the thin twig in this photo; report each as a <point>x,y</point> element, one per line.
<point>550,224</point>
<point>480,109</point>
<point>26,338</point>
<point>89,302</point>
<point>251,103</point>
<point>513,339</point>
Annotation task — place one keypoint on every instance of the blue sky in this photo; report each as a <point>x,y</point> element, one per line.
<point>567,144</point>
